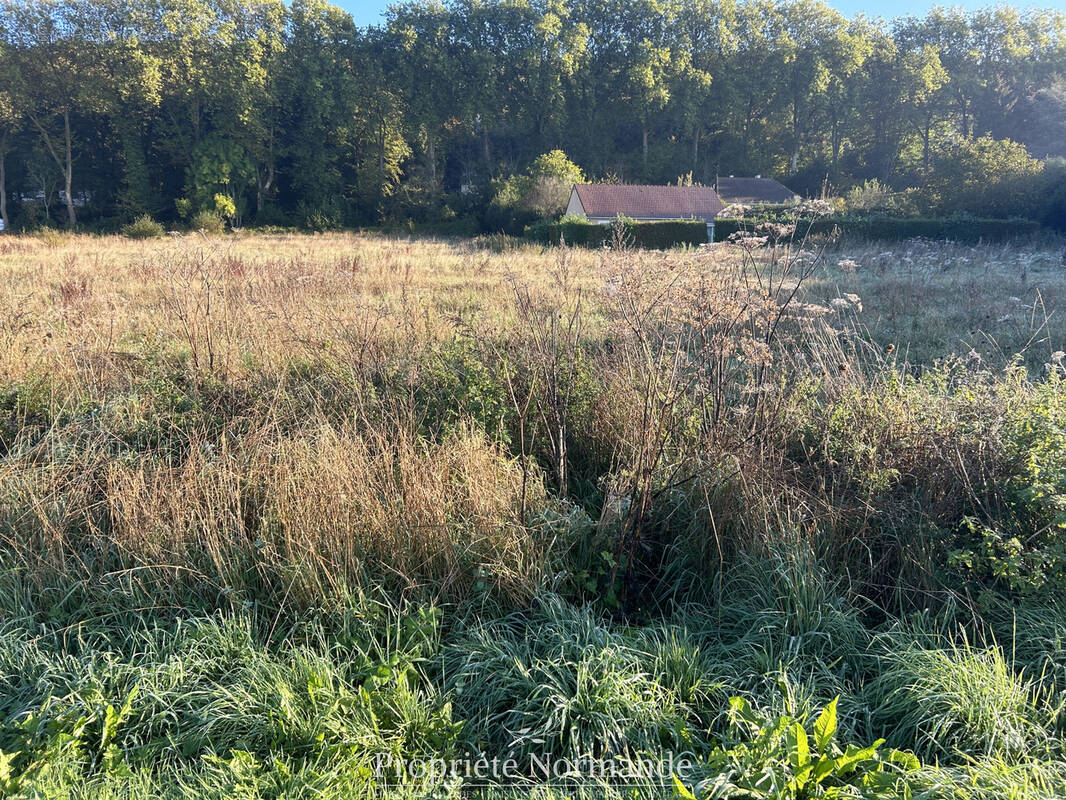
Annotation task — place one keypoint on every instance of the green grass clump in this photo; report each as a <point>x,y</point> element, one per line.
<point>211,700</point>
<point>563,682</point>
<point>957,701</point>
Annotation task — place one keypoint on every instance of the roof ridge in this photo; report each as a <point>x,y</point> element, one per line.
<point>648,201</point>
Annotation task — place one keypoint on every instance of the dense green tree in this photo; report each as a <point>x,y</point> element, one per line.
<point>317,92</point>
<point>987,177</point>
<point>55,53</point>
<point>425,67</point>
<point>704,47</point>
<point>115,108</point>
<point>9,124</point>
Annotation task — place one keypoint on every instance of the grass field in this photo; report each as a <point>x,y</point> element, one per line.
<point>277,510</point>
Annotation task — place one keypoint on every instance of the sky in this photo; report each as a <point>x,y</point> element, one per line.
<point>369,12</point>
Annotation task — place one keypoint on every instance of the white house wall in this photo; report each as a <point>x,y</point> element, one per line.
<point>574,207</point>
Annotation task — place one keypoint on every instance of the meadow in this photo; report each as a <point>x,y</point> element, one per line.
<point>274,508</point>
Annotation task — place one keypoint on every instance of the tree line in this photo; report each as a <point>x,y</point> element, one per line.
<point>264,112</point>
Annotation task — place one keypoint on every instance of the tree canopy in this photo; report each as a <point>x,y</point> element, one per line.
<point>268,112</point>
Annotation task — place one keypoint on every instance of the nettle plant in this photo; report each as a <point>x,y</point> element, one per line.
<point>775,758</point>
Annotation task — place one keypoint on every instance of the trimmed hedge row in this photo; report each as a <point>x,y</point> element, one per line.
<point>892,229</point>
<point>663,235</point>
<point>649,235</point>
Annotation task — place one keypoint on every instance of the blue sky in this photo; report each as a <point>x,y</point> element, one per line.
<point>367,12</point>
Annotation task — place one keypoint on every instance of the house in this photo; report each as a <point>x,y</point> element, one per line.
<point>601,203</point>
<point>753,191</point>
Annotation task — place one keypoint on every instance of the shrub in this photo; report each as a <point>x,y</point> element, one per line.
<point>321,222</point>
<point>1023,549</point>
<point>985,176</point>
<point>207,222</point>
<point>144,227</point>
<point>544,190</point>
<point>870,196</point>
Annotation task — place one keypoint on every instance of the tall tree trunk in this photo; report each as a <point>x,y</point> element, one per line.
<point>485,150</point>
<point>3,184</point>
<point>794,167</point>
<point>381,153</point>
<point>695,152</point>
<point>925,144</point>
<point>263,186</point>
<point>431,153</point>
<point>644,136</point>
<point>835,142</point>
<point>68,171</point>
<point>66,165</point>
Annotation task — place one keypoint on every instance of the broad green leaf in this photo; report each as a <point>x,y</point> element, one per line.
<point>823,767</point>
<point>855,756</point>
<point>799,751</point>
<point>803,775</point>
<point>682,791</point>
<point>825,727</point>
<point>904,760</point>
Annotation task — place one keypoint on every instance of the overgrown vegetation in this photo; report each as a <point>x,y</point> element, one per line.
<point>278,514</point>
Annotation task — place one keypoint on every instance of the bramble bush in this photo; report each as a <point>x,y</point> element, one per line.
<point>1023,549</point>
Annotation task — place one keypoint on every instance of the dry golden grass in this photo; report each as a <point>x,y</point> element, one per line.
<point>76,306</point>
<point>248,416</point>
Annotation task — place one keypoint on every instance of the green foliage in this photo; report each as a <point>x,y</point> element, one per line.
<point>986,177</point>
<point>319,221</point>
<point>895,229</point>
<point>220,171</point>
<point>784,758</point>
<point>545,188</point>
<point>294,104</point>
<point>1024,549</point>
<point>872,197</point>
<point>144,227</point>
<point>1053,194</point>
<point>650,235</point>
<point>959,701</point>
<point>213,698</point>
<point>207,221</point>
<point>224,206</point>
<point>564,683</point>
<point>457,387</point>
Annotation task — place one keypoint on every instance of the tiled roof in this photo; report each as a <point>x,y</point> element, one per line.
<point>649,202</point>
<point>753,190</point>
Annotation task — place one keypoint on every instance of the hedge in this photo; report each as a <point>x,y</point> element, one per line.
<point>891,229</point>
<point>650,235</point>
